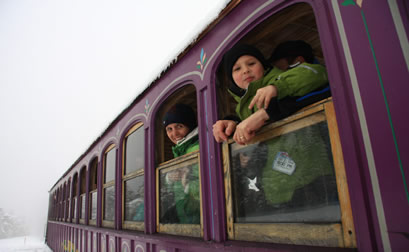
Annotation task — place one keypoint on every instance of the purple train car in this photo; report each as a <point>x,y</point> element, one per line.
<point>332,176</point>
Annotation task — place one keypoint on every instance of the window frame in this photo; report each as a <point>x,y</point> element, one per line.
<point>82,196</point>
<point>93,171</point>
<point>64,202</point>
<point>132,225</point>
<point>193,230</point>
<point>111,183</point>
<point>68,199</point>
<point>343,233</point>
<point>74,200</point>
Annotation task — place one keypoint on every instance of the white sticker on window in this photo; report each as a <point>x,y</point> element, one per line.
<point>283,163</point>
<point>252,184</point>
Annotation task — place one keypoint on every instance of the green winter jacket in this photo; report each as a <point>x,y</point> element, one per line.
<point>189,144</point>
<point>297,81</point>
<point>188,198</point>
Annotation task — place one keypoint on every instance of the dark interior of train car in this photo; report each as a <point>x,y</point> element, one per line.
<point>185,95</point>
<point>296,22</point>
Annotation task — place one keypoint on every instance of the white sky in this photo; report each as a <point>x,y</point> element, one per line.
<point>67,69</point>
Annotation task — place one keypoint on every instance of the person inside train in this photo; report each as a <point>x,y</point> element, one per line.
<point>296,162</point>
<point>183,183</point>
<point>181,128</point>
<point>266,93</point>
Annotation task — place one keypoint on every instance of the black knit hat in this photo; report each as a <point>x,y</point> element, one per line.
<point>180,113</point>
<point>293,48</point>
<point>232,55</point>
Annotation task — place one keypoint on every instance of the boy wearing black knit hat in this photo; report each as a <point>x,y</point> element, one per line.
<point>262,93</point>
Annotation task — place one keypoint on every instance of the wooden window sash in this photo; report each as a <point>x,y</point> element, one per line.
<point>193,230</point>
<point>83,198</point>
<point>107,223</point>
<point>92,222</point>
<point>133,225</point>
<point>331,235</point>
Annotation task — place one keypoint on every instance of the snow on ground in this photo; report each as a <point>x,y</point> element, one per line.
<point>23,244</point>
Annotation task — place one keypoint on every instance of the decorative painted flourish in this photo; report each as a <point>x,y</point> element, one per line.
<point>359,3</point>
<point>202,61</point>
<point>147,106</point>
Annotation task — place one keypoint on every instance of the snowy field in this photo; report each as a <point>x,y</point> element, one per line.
<point>23,244</point>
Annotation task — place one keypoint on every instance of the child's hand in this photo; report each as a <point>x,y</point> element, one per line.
<point>263,97</point>
<point>246,130</point>
<point>222,129</point>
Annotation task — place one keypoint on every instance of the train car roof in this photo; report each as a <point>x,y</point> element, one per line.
<point>229,6</point>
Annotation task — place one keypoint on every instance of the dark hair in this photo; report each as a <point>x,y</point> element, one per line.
<point>232,55</point>
<point>180,113</point>
<point>292,49</point>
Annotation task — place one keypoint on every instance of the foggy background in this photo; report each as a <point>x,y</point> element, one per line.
<point>67,69</point>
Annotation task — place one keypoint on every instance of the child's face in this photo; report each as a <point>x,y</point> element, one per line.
<point>247,69</point>
<point>176,132</point>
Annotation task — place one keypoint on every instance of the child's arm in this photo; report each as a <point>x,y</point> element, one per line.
<point>301,80</point>
<point>263,97</point>
<point>265,90</point>
<point>246,130</point>
<point>222,129</point>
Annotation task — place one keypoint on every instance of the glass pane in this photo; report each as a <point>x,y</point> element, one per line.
<point>134,202</point>
<point>64,209</point>
<point>74,207</point>
<point>289,178</point>
<point>93,175</point>
<point>180,195</point>
<point>68,209</point>
<point>82,197</point>
<point>110,165</point>
<point>109,203</point>
<point>93,201</point>
<point>134,153</point>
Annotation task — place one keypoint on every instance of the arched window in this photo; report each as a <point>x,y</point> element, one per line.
<point>133,178</point>
<point>64,202</point>
<point>108,190</point>
<point>74,200</point>
<point>67,196</point>
<point>93,191</point>
<point>59,204</point>
<point>178,188</point>
<point>285,178</point>
<point>83,183</point>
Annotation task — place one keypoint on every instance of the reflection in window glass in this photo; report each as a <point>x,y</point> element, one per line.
<point>68,208</point>
<point>289,178</point>
<point>74,207</point>
<point>110,165</point>
<point>134,151</point>
<point>180,195</point>
<point>82,198</point>
<point>63,210</point>
<point>134,204</point>
<point>93,201</point>
<point>109,203</point>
